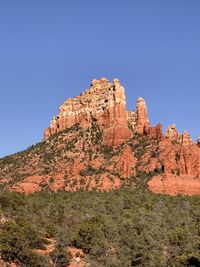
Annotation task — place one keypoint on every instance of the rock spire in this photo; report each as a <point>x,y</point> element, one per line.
<point>173,134</point>
<point>186,139</point>
<point>142,116</point>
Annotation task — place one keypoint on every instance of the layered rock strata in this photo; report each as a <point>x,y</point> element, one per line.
<point>181,168</point>
<point>99,145</point>
<point>103,103</point>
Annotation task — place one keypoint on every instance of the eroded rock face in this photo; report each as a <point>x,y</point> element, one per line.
<point>181,168</point>
<point>103,103</point>
<point>142,116</point>
<point>102,146</point>
<point>186,139</point>
<point>174,185</point>
<point>132,118</point>
<point>173,134</point>
<point>153,132</point>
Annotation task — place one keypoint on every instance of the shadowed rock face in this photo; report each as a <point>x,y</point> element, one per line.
<point>103,103</point>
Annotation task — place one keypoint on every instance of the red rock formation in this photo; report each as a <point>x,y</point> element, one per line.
<point>125,163</point>
<point>181,165</point>
<point>173,134</point>
<point>174,185</point>
<point>153,132</point>
<point>132,118</point>
<point>142,116</point>
<point>99,154</point>
<point>104,103</point>
<point>186,139</point>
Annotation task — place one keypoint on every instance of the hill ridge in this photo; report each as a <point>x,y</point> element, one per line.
<point>96,144</point>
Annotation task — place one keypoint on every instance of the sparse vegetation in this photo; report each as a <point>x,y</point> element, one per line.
<point>91,171</point>
<point>139,144</point>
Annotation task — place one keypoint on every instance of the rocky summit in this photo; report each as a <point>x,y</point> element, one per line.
<point>103,103</point>
<point>94,143</point>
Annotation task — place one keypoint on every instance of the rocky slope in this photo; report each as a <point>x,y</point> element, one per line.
<point>95,143</point>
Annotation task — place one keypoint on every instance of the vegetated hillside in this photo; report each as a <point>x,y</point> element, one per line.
<point>94,143</point>
<point>118,228</point>
<point>87,200</point>
<point>77,159</point>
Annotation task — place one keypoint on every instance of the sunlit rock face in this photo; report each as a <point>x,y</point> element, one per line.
<point>173,134</point>
<point>142,116</point>
<point>104,103</point>
<point>181,165</point>
<point>95,143</point>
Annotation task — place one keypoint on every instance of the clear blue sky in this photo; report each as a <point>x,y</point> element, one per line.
<point>51,50</point>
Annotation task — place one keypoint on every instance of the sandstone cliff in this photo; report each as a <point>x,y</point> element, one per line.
<point>103,103</point>
<point>181,168</point>
<point>95,143</point>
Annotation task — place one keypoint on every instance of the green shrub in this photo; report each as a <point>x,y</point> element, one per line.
<point>60,257</point>
<point>15,245</point>
<point>119,228</point>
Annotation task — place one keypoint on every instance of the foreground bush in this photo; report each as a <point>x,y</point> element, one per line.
<point>120,228</point>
